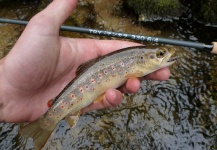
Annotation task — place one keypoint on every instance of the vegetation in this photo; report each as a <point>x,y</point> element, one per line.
<point>204,10</point>
<point>155,8</point>
<point>201,10</point>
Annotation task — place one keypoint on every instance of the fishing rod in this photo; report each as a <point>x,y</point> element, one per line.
<point>212,48</point>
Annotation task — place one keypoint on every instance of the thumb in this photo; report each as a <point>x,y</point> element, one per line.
<point>55,13</point>
<point>60,10</point>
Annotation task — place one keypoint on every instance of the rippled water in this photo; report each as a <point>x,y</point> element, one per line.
<point>179,113</point>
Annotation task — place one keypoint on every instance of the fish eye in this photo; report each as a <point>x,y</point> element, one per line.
<point>160,53</point>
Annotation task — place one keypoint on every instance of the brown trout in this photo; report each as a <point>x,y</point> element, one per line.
<point>94,78</point>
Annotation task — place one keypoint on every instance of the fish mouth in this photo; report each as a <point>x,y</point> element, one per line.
<point>173,59</point>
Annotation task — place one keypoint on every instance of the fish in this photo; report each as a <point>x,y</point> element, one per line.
<point>92,80</point>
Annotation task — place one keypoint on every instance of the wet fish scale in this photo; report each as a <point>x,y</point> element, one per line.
<point>110,71</point>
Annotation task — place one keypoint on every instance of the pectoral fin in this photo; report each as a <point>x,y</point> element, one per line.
<point>99,99</point>
<point>135,75</point>
<point>72,119</point>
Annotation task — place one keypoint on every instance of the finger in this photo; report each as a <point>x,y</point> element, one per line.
<point>131,86</point>
<point>61,10</point>
<point>112,98</point>
<point>161,74</point>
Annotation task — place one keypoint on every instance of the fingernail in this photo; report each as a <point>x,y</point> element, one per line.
<point>113,94</point>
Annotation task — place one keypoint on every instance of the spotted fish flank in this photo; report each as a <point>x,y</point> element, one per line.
<point>93,79</point>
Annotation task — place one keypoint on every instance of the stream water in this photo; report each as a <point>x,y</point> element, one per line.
<point>179,113</point>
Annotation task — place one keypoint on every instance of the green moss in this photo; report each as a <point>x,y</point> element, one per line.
<point>167,3</point>
<point>162,8</point>
<point>204,10</point>
<point>201,10</point>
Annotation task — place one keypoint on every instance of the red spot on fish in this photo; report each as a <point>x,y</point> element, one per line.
<point>81,98</point>
<point>81,89</point>
<point>126,72</point>
<point>72,104</point>
<point>92,80</point>
<point>122,64</point>
<point>113,68</point>
<point>105,71</point>
<point>114,75</point>
<point>128,67</point>
<point>50,115</point>
<point>73,96</point>
<point>86,87</point>
<point>62,106</point>
<point>68,108</point>
<point>49,103</point>
<point>100,75</point>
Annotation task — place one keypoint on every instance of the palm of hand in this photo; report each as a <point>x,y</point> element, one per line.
<point>36,71</point>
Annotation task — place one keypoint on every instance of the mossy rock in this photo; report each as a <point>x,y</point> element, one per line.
<point>204,10</point>
<point>149,10</point>
<point>155,9</point>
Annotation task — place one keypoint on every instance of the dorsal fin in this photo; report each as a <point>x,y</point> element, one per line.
<point>83,67</point>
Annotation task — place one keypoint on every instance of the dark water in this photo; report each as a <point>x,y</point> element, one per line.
<point>179,113</point>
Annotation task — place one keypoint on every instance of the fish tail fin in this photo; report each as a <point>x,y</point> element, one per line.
<point>39,135</point>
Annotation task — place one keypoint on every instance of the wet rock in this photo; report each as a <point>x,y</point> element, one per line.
<point>83,15</point>
<point>149,10</point>
<point>204,11</point>
<point>197,10</point>
<point>10,33</point>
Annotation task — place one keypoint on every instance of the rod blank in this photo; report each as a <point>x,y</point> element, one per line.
<point>136,37</point>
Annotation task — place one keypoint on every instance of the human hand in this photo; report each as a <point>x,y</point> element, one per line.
<point>42,63</point>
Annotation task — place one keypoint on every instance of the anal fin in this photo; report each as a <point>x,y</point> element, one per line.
<point>72,119</point>
<point>135,75</point>
<point>99,98</point>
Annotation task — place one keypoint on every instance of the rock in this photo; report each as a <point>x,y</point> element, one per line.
<point>205,11</point>
<point>149,10</point>
<point>198,10</point>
